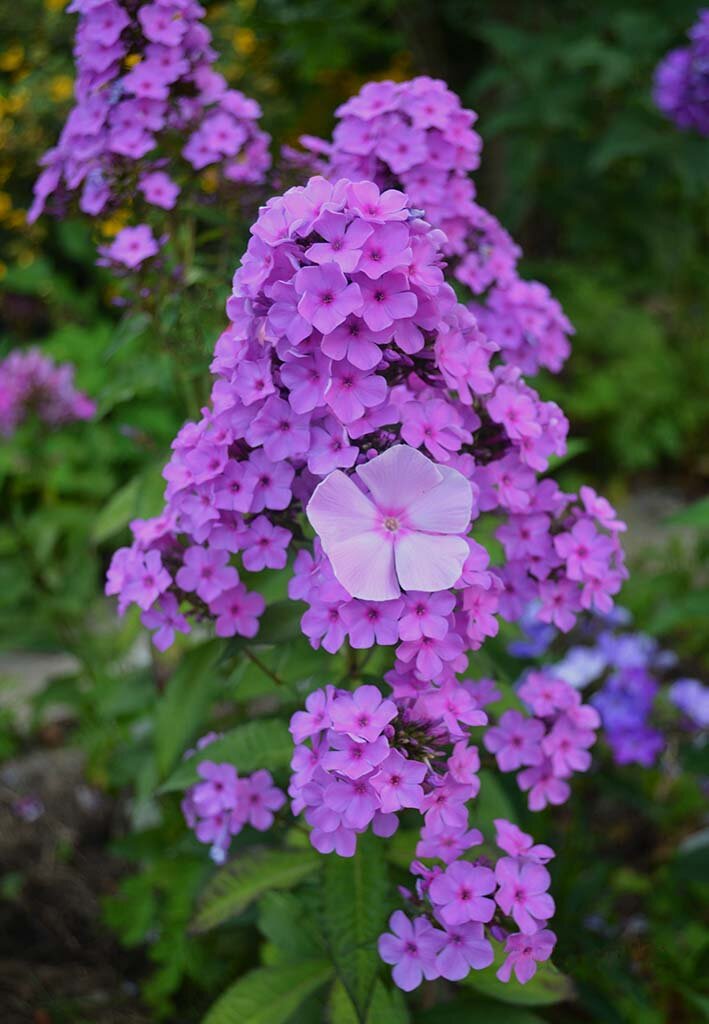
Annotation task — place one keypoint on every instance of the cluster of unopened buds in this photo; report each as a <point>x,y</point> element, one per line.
<point>681,87</point>
<point>32,384</point>
<point>145,77</point>
<point>416,136</point>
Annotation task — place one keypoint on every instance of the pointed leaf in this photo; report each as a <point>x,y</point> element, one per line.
<point>181,709</point>
<point>269,995</point>
<point>263,743</point>
<point>354,915</point>
<point>548,985</point>
<point>235,886</point>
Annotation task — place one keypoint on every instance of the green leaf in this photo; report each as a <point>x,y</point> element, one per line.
<point>353,916</point>
<point>548,985</point>
<point>140,497</point>
<point>263,743</point>
<point>269,995</point>
<point>289,923</point>
<point>696,514</point>
<point>279,624</point>
<point>492,802</point>
<point>180,711</point>
<point>684,612</point>
<point>386,1007</point>
<point>238,884</point>
<point>575,446</point>
<point>476,1010</point>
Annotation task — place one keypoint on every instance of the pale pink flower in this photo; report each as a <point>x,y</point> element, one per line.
<point>404,535</point>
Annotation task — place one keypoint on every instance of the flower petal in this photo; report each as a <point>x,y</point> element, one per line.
<point>338,510</point>
<point>445,508</point>
<point>399,475</point>
<point>364,565</point>
<point>429,562</point>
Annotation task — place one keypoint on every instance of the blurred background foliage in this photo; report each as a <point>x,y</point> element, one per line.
<point>611,205</point>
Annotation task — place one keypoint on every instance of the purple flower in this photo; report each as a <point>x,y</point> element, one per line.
<point>132,246</point>
<point>166,620</point>
<point>524,952</point>
<point>515,741</point>
<point>399,537</point>
<point>363,715</point>
<point>465,948</point>
<point>460,894</point>
<point>327,298</point>
<point>398,782</point>
<point>523,893</point>
<point>412,947</point>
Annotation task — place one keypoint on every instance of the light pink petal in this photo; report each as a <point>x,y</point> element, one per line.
<point>445,508</point>
<point>399,475</point>
<point>429,562</point>
<point>338,510</point>
<point>364,565</point>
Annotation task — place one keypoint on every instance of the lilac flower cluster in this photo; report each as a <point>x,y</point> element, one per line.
<point>456,908</point>
<point>31,383</point>
<point>681,86</point>
<point>345,341</point>
<point>631,668</point>
<point>145,78</point>
<point>550,744</point>
<point>219,806</point>
<point>417,137</point>
<point>361,759</point>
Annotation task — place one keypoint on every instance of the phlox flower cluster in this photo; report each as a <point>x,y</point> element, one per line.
<point>145,83</point>
<point>416,136</point>
<point>631,677</point>
<point>351,385</point>
<point>547,744</point>
<point>458,906</point>
<point>681,85</point>
<point>219,806</point>
<point>32,384</point>
<point>362,758</point>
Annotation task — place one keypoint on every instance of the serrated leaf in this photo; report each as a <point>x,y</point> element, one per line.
<point>181,709</point>
<point>269,995</point>
<point>288,921</point>
<point>354,912</point>
<point>242,881</point>
<point>263,743</point>
<point>548,986</point>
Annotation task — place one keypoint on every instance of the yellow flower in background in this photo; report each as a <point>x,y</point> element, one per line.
<point>244,41</point>
<point>61,87</point>
<point>17,219</point>
<point>3,269</point>
<point>209,180</point>
<point>18,100</point>
<point>114,223</point>
<point>55,5</point>
<point>11,58</point>
<point>132,59</point>
<point>5,205</point>
<point>25,258</point>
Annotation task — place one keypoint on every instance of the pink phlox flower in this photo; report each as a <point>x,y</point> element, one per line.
<point>515,741</point>
<point>371,623</point>
<point>327,298</point>
<point>448,844</point>
<point>166,620</point>
<point>523,893</point>
<point>343,241</point>
<point>524,952</point>
<point>426,615</point>
<point>411,946</point>
<point>237,611</point>
<point>466,949</point>
<point>510,838</point>
<point>260,799</point>
<point>265,545</point>
<point>315,718</point>
<point>398,782</point>
<point>363,715</point>
<point>401,536</point>
<point>354,758</point>
<point>461,894</point>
